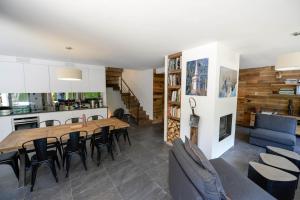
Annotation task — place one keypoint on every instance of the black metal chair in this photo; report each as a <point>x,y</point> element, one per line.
<point>48,123</point>
<point>95,117</point>
<point>72,120</point>
<point>120,114</point>
<point>51,122</point>
<point>75,144</point>
<point>101,138</point>
<point>10,159</point>
<point>42,156</point>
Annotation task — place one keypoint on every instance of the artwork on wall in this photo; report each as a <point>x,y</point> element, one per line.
<point>227,82</point>
<point>196,77</point>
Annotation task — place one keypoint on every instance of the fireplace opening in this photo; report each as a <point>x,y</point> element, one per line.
<point>225,127</point>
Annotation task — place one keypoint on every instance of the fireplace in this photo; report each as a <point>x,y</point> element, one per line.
<point>225,127</point>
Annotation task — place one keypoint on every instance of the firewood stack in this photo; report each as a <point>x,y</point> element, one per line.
<point>173,130</point>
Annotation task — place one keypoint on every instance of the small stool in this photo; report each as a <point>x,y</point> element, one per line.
<point>278,183</point>
<point>279,162</point>
<point>290,155</point>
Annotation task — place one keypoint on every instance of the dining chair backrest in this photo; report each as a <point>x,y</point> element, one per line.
<point>102,134</point>
<point>72,120</point>
<point>50,122</point>
<point>40,147</point>
<point>95,117</point>
<point>119,113</point>
<point>74,140</point>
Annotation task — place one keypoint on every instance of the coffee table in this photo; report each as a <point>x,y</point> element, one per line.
<point>278,183</point>
<point>280,163</point>
<point>290,155</point>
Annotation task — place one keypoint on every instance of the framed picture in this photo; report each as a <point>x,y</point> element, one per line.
<point>196,77</point>
<point>227,82</point>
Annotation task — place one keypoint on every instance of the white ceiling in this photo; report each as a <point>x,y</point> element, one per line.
<point>138,33</point>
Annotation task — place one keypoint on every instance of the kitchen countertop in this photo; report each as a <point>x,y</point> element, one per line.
<point>44,111</point>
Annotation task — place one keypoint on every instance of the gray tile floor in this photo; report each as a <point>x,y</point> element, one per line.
<point>141,172</point>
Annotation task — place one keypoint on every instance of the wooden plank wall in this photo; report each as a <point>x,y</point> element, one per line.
<point>256,92</point>
<point>158,97</point>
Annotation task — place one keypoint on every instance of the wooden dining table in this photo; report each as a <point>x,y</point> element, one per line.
<point>15,140</point>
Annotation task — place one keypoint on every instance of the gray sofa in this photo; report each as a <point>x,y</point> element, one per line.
<point>185,182</point>
<point>274,130</point>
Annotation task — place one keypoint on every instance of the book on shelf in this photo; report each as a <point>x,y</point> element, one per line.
<point>174,79</point>
<point>298,90</point>
<point>174,63</point>
<point>174,111</point>
<point>287,91</point>
<point>175,95</point>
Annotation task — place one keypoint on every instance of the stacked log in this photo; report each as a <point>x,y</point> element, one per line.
<point>173,130</point>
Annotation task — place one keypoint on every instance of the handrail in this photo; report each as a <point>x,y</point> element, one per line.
<point>122,90</point>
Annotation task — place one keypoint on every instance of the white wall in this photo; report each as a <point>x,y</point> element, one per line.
<point>205,104</point>
<point>141,83</point>
<point>210,108</point>
<point>114,100</point>
<point>224,106</point>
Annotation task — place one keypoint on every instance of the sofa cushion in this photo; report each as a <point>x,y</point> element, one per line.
<point>236,185</point>
<point>279,137</point>
<point>276,123</point>
<point>198,156</point>
<point>201,178</point>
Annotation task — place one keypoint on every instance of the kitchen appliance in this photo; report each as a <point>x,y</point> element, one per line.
<point>25,123</point>
<point>5,110</point>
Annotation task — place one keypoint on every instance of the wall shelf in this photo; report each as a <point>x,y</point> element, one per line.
<point>173,95</point>
<point>175,71</point>
<point>174,87</point>
<point>175,103</point>
<point>283,84</point>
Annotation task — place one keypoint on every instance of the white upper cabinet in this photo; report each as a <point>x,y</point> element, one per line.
<point>11,77</point>
<point>58,85</point>
<point>36,78</point>
<point>97,80</point>
<point>82,85</point>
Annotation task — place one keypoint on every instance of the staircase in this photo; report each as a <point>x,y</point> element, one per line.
<point>114,79</point>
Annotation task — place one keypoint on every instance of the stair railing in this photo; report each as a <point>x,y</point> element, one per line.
<point>124,88</point>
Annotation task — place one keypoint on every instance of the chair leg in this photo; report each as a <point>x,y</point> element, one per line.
<point>15,166</point>
<point>127,135</point>
<point>57,162</point>
<point>111,151</point>
<point>33,175</point>
<point>83,159</point>
<point>64,159</point>
<point>52,167</point>
<point>59,149</point>
<point>68,162</point>
<point>27,161</point>
<point>92,150</point>
<point>98,156</point>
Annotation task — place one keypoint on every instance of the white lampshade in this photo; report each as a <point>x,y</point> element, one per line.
<point>69,74</point>
<point>287,62</point>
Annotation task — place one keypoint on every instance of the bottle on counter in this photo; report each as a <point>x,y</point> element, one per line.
<point>84,120</point>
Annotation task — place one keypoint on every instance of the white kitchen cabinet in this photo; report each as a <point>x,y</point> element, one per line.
<point>36,78</point>
<point>6,126</point>
<point>58,85</point>
<point>97,80</point>
<point>82,85</point>
<point>11,77</point>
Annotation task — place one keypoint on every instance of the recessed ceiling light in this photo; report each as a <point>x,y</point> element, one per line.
<point>296,34</point>
<point>69,47</point>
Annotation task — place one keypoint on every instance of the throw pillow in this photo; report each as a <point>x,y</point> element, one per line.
<point>197,155</point>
